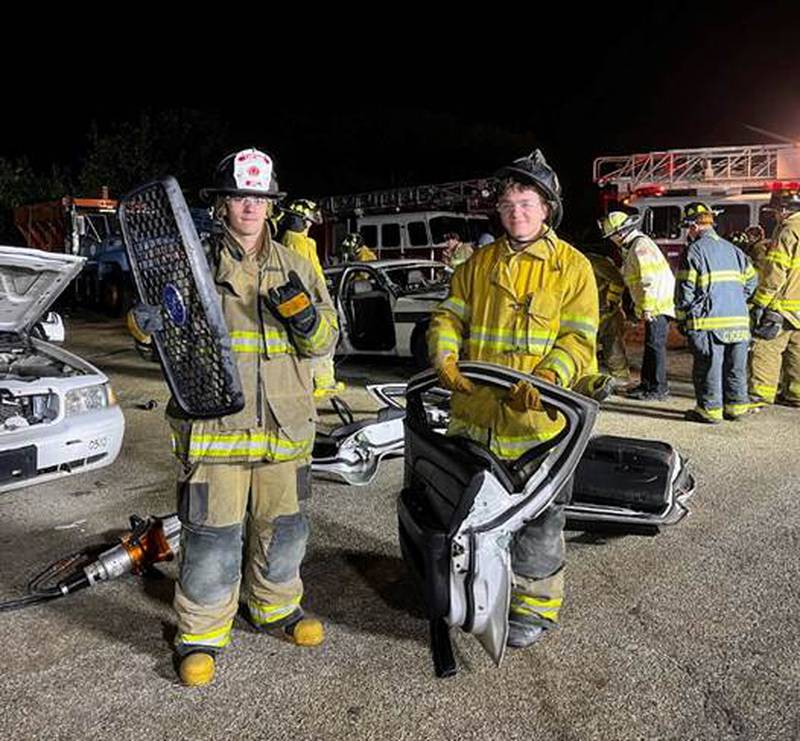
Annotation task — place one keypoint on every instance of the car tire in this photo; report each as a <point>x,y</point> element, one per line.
<point>419,346</point>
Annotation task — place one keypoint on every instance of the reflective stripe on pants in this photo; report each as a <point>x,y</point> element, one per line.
<point>214,501</point>
<point>719,372</point>
<point>537,559</point>
<point>772,361</point>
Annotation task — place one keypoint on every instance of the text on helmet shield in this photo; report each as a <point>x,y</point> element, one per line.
<point>252,170</point>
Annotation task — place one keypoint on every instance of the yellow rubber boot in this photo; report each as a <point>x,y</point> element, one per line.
<point>306,632</point>
<point>197,669</point>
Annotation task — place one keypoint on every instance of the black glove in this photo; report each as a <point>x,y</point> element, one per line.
<point>146,318</point>
<point>291,304</point>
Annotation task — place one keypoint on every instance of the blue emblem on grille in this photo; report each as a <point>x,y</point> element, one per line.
<point>173,303</point>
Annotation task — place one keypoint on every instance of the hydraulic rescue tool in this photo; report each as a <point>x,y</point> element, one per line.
<point>150,541</point>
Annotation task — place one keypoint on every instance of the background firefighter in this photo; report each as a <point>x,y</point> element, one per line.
<point>455,251</point>
<point>293,228</point>
<point>241,474</point>
<point>527,301</point>
<point>776,311</point>
<point>714,283</point>
<point>355,250</point>
<point>651,284</point>
<point>611,331</point>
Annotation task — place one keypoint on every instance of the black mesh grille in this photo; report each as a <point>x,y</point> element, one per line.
<point>169,269</point>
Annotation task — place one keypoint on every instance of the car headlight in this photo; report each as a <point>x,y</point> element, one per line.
<point>86,399</point>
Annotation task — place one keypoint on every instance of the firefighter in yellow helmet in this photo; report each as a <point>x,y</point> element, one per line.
<point>241,475</point>
<point>355,249</point>
<point>649,279</point>
<point>293,228</point>
<point>455,251</point>
<point>776,311</point>
<point>527,301</point>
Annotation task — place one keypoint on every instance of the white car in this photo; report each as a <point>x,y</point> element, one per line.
<point>385,306</point>
<point>58,414</point>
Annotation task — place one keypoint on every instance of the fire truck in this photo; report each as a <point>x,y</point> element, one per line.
<point>737,180</point>
<point>406,222</point>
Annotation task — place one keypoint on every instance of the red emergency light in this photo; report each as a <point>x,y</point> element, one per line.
<point>647,191</point>
<point>779,185</point>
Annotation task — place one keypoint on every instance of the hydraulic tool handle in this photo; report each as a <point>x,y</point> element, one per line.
<point>159,540</point>
<point>74,583</point>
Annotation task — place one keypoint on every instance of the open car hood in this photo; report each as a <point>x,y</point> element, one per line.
<point>30,281</point>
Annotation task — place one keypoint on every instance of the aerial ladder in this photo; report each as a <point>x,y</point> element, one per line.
<point>728,170</point>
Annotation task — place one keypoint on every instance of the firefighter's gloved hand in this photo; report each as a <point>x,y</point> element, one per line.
<point>523,396</point>
<point>291,303</point>
<point>452,378</point>
<point>547,375</point>
<point>143,320</point>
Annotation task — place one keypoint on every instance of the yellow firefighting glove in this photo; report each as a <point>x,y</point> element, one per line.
<point>523,396</point>
<point>451,378</point>
<point>547,375</point>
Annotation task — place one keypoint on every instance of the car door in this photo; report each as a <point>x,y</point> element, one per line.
<point>460,505</point>
<point>366,310</point>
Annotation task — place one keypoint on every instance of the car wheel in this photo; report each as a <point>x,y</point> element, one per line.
<point>419,346</point>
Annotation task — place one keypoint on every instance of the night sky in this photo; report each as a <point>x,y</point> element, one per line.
<point>347,110</point>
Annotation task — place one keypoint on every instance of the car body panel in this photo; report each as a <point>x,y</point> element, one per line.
<point>410,304</point>
<point>39,441</point>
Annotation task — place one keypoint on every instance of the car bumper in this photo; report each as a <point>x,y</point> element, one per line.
<point>34,455</point>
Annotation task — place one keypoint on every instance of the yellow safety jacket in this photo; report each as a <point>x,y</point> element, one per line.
<point>304,246</point>
<point>459,254</point>
<point>277,422</point>
<point>648,276</point>
<point>610,285</point>
<point>365,254</point>
<point>535,309</point>
<point>779,281</point>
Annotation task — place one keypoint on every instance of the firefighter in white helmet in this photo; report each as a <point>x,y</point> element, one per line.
<point>649,279</point>
<point>242,474</point>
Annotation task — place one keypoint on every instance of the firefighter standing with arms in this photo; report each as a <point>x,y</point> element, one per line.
<point>528,301</point>
<point>241,474</point>
<point>651,284</point>
<point>714,283</point>
<point>293,228</point>
<point>776,311</point>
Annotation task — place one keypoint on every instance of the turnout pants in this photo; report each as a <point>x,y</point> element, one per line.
<point>719,375</point>
<point>654,362</point>
<point>537,560</point>
<point>611,342</point>
<point>767,359</point>
<point>324,372</point>
<point>230,512</point>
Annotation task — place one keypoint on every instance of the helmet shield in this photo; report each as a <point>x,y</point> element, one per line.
<point>249,172</point>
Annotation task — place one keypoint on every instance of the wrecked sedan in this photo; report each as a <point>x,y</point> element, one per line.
<point>58,414</point>
<point>385,306</point>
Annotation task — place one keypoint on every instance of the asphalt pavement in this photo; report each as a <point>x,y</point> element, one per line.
<point>691,634</point>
